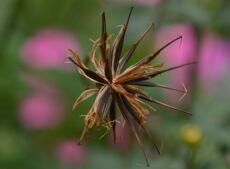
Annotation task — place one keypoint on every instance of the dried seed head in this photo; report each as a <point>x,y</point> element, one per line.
<point>116,87</point>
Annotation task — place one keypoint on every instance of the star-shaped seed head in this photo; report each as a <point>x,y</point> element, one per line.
<point>117,87</point>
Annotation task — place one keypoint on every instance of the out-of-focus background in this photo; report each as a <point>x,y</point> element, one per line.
<point>39,130</point>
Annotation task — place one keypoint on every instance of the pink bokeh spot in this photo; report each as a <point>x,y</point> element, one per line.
<point>39,110</point>
<point>48,48</point>
<point>69,153</point>
<point>139,2</point>
<point>177,53</point>
<point>214,59</point>
<point>147,2</point>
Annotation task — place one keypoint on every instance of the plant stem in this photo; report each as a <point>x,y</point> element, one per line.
<point>10,27</point>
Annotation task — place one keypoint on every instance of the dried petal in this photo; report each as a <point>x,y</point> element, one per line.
<point>85,95</point>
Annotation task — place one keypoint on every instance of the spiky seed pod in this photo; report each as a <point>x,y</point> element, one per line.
<point>116,87</point>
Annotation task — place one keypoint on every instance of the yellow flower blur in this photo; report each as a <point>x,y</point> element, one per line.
<point>191,134</point>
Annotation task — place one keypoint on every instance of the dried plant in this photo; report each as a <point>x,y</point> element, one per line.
<point>116,87</point>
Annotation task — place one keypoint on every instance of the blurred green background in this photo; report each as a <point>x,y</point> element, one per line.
<point>39,130</point>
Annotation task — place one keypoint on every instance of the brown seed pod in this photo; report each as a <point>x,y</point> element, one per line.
<point>116,87</point>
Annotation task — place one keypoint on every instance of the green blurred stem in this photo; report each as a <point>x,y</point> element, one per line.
<point>191,160</point>
<point>10,26</point>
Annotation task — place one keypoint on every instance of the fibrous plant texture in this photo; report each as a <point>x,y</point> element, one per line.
<point>116,88</point>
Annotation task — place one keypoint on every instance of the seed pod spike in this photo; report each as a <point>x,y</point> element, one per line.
<point>113,121</point>
<point>150,58</point>
<point>103,37</point>
<point>151,84</point>
<point>148,76</point>
<point>118,46</point>
<point>134,115</point>
<point>132,49</point>
<point>125,114</point>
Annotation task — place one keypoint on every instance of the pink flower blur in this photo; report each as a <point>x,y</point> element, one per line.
<point>147,2</point>
<point>39,110</point>
<point>140,2</point>
<point>214,59</point>
<point>48,48</point>
<point>69,153</point>
<point>178,53</point>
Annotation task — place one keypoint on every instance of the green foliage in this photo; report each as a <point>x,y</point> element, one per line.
<point>23,149</point>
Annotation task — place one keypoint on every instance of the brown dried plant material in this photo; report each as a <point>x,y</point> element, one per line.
<point>116,87</point>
